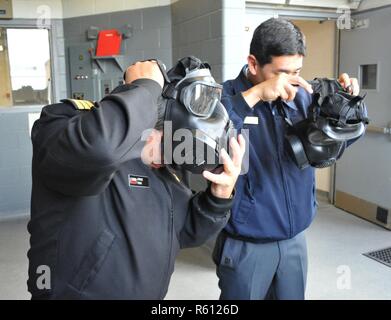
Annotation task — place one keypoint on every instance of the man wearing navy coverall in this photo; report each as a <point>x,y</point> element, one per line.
<point>261,253</point>
<point>94,233</point>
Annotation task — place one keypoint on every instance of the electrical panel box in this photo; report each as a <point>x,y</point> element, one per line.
<point>91,78</point>
<point>81,73</point>
<point>6,9</point>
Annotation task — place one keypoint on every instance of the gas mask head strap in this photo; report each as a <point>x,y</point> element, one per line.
<point>161,66</point>
<point>281,110</point>
<point>181,69</point>
<point>355,104</point>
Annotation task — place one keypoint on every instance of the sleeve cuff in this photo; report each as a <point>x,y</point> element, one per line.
<point>217,205</point>
<point>241,107</point>
<point>152,86</point>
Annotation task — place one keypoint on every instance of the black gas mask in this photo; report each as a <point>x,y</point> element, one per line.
<point>334,117</point>
<point>196,124</point>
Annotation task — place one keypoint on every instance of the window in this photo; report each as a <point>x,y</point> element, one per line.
<point>368,75</point>
<point>25,67</point>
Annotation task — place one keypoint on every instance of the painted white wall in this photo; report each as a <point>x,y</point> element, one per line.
<point>37,9</point>
<point>326,4</point>
<point>363,5</point>
<point>270,1</point>
<point>369,4</point>
<point>77,8</point>
<point>234,41</point>
<point>311,3</point>
<point>239,27</point>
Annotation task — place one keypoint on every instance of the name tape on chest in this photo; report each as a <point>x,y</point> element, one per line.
<point>136,181</point>
<point>251,120</point>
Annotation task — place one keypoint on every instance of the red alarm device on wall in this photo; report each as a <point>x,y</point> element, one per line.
<point>109,43</point>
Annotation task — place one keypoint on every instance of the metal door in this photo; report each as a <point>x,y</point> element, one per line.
<point>363,175</point>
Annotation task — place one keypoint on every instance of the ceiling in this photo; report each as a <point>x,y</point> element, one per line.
<point>331,4</point>
<point>327,4</point>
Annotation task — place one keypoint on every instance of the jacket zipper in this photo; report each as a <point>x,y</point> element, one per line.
<point>286,193</point>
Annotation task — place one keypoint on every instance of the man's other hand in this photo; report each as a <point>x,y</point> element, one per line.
<point>224,183</point>
<point>144,70</point>
<point>349,84</point>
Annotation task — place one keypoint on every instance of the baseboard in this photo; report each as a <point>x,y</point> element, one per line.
<point>14,216</point>
<point>363,209</point>
<point>323,195</point>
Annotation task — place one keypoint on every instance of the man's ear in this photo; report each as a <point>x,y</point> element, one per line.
<point>252,64</point>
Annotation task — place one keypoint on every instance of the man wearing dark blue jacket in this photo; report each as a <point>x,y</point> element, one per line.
<point>262,252</point>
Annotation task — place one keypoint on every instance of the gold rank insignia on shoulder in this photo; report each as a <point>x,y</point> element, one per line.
<point>79,104</point>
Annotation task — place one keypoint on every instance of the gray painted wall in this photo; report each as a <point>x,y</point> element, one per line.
<point>16,151</point>
<point>365,171</point>
<point>151,34</point>
<point>212,30</point>
<point>197,30</point>
<point>15,164</point>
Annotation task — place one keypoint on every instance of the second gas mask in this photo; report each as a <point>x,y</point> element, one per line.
<point>334,117</point>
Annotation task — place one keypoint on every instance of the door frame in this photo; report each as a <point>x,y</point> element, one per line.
<point>29,24</point>
<point>6,66</point>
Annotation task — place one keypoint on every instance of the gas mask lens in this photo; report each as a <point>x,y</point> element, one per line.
<point>200,98</point>
<point>198,121</point>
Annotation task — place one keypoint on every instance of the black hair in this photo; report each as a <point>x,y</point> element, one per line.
<point>276,37</point>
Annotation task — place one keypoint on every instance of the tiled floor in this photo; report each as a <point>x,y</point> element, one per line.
<point>336,241</point>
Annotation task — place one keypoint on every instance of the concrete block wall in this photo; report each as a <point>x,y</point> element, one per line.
<point>151,36</point>
<point>212,30</point>
<point>197,29</point>
<point>77,8</point>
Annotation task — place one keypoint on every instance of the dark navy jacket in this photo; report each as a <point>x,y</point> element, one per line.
<point>275,200</point>
<point>105,224</point>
